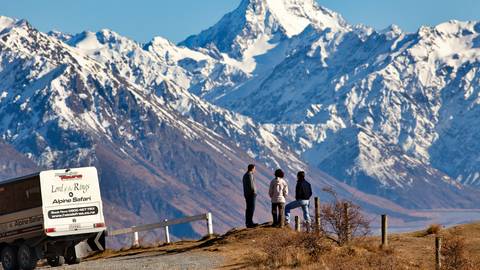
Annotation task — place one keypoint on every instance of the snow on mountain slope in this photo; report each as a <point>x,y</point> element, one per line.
<point>377,92</point>
<point>155,68</point>
<point>158,60</point>
<point>63,109</point>
<point>6,22</point>
<point>260,27</point>
<point>62,69</point>
<point>161,152</point>
<point>327,82</point>
<point>387,112</point>
<point>119,53</point>
<point>60,35</point>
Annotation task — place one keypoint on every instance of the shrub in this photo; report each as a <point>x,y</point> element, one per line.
<point>434,229</point>
<point>454,255</point>
<point>290,250</point>
<point>343,219</point>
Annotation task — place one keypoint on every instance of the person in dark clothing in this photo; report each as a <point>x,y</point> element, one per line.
<point>303,192</point>
<point>250,194</point>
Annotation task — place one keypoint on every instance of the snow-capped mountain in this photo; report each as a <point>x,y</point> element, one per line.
<point>154,68</point>
<point>394,88</point>
<point>155,150</point>
<point>256,37</point>
<point>283,83</point>
<point>371,107</point>
<point>161,151</point>
<point>257,26</point>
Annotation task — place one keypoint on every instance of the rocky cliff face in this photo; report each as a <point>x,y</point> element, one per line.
<point>161,151</point>
<point>385,111</point>
<point>394,97</point>
<point>64,109</point>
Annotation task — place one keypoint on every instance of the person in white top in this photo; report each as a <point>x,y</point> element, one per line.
<point>278,192</point>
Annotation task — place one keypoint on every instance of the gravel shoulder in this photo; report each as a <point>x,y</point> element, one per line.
<point>153,261</point>
<point>181,255</point>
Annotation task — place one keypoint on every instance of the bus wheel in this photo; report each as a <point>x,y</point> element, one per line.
<point>56,261</point>
<point>27,259</point>
<point>9,258</point>
<point>71,256</point>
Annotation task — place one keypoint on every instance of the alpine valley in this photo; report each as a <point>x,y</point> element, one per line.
<point>388,118</point>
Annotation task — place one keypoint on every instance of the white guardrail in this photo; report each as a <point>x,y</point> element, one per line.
<point>165,224</point>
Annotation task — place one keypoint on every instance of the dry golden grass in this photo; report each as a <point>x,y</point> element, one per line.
<point>405,251</point>
<point>455,254</point>
<point>272,248</point>
<point>290,250</point>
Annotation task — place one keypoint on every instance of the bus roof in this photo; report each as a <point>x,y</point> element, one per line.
<point>18,179</point>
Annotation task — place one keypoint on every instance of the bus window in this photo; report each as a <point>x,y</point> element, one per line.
<point>7,199</point>
<point>27,194</point>
<point>20,196</point>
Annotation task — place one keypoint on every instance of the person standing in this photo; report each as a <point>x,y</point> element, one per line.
<point>303,193</point>
<point>250,194</point>
<point>278,192</point>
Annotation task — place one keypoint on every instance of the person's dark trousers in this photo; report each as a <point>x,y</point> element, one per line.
<point>250,210</point>
<point>278,214</point>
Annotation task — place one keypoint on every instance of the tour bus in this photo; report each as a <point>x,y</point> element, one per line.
<point>47,214</point>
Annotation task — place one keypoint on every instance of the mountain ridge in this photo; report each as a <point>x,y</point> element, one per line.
<point>372,109</point>
<point>160,150</point>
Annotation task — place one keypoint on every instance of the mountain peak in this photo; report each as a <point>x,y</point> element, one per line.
<point>160,42</point>
<point>103,39</point>
<point>6,22</point>
<point>85,40</point>
<point>270,20</point>
<point>456,27</point>
<point>391,32</point>
<point>293,16</point>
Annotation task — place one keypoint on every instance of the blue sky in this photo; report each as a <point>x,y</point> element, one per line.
<point>176,19</point>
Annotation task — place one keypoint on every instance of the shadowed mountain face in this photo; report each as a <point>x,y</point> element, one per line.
<point>381,111</point>
<point>13,163</point>
<point>66,110</point>
<point>387,112</point>
<point>161,151</point>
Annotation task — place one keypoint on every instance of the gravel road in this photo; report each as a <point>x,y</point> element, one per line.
<point>153,261</point>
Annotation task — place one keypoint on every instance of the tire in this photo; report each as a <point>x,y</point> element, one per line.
<point>27,258</point>
<point>71,256</point>
<point>56,261</point>
<point>9,258</point>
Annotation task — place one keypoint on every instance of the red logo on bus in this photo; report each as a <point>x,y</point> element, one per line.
<point>70,177</point>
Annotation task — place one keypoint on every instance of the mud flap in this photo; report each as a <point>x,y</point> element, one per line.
<point>92,245</point>
<point>97,243</point>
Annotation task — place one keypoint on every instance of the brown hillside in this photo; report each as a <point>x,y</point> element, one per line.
<point>248,248</point>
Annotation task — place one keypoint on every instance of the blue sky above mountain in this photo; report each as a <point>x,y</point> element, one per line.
<point>176,20</point>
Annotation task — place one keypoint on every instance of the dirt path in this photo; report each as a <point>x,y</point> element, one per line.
<point>153,261</point>
<point>181,255</point>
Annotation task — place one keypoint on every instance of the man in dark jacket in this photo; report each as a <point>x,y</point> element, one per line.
<point>250,193</point>
<point>303,192</point>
